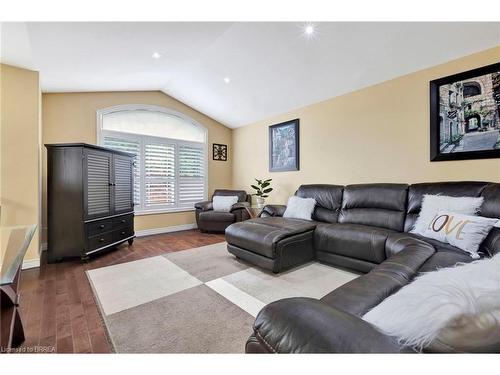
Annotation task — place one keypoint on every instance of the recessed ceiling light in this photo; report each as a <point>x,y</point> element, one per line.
<point>227,80</point>
<point>156,55</point>
<point>309,30</point>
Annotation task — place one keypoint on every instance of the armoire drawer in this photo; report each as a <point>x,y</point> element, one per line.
<point>95,228</point>
<point>122,233</point>
<point>99,241</point>
<point>123,221</point>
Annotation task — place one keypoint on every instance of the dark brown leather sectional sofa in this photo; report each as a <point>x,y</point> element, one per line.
<point>359,227</point>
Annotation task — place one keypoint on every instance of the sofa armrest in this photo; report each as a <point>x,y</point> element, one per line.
<point>306,325</point>
<point>204,206</point>
<point>360,295</point>
<point>273,210</point>
<point>240,212</point>
<point>239,206</point>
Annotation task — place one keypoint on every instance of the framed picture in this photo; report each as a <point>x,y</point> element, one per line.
<point>219,152</point>
<point>284,146</point>
<point>465,115</point>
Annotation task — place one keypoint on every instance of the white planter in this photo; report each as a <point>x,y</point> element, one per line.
<point>260,201</point>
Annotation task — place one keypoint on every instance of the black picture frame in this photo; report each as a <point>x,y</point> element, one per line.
<point>219,152</point>
<point>295,148</point>
<point>436,116</point>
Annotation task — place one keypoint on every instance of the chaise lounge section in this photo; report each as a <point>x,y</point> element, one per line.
<point>273,243</point>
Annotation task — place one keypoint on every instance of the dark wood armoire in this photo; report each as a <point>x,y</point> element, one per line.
<point>90,196</point>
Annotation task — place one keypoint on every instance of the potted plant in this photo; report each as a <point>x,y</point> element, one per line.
<point>263,188</point>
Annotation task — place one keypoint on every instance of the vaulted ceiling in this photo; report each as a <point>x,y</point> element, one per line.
<point>236,73</point>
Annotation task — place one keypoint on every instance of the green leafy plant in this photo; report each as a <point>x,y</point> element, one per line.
<point>263,188</point>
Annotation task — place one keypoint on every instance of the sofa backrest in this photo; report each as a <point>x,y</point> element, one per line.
<point>241,194</point>
<point>328,200</point>
<point>397,206</point>
<point>380,205</point>
<point>491,208</point>
<point>455,189</point>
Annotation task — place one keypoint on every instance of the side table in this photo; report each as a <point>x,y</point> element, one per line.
<point>254,211</point>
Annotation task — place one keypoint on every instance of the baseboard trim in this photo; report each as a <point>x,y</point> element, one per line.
<point>150,232</point>
<point>174,228</point>
<point>32,263</point>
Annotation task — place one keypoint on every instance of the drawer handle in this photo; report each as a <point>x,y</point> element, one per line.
<point>101,239</point>
<point>123,220</point>
<point>123,232</point>
<point>101,226</point>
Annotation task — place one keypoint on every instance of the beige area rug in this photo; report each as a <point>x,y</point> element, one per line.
<point>201,300</point>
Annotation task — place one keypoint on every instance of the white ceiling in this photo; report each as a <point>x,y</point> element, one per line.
<point>273,66</point>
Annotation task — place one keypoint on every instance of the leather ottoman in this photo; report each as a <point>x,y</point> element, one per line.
<point>273,243</point>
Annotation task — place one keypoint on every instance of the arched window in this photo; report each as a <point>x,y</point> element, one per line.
<point>170,172</point>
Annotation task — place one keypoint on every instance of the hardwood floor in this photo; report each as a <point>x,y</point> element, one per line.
<point>57,303</point>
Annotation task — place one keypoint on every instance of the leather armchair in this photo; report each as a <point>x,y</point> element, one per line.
<point>212,221</point>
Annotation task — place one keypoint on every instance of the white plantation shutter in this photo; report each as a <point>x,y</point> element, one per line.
<point>132,146</point>
<point>159,174</point>
<point>191,174</point>
<point>170,173</point>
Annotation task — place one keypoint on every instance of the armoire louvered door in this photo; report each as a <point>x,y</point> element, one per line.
<point>97,189</point>
<point>123,199</point>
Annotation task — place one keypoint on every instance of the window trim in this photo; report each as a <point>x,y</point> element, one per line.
<point>100,133</point>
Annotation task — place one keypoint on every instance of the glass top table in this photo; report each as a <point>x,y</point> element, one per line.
<point>14,242</point>
<point>254,210</point>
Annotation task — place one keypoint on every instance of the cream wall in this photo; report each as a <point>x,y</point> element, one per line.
<point>377,134</point>
<point>71,117</point>
<point>20,148</point>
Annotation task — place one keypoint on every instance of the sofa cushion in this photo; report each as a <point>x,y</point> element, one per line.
<point>379,205</point>
<point>216,216</point>
<point>328,200</point>
<point>352,240</point>
<point>454,189</point>
<point>262,235</point>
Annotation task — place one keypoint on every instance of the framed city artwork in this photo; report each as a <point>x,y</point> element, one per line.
<point>465,115</point>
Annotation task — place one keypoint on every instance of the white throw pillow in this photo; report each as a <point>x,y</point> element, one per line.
<point>432,204</point>
<point>463,231</point>
<point>419,312</point>
<point>223,203</point>
<point>300,208</point>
